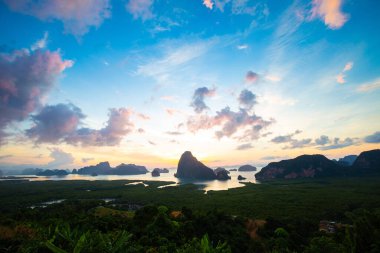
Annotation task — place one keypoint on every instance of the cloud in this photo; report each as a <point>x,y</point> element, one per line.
<point>373,138</point>
<point>285,138</point>
<point>175,56</point>
<point>230,122</point>
<point>251,77</point>
<point>244,7</point>
<point>87,159</point>
<point>247,99</point>
<point>198,99</point>
<point>330,12</point>
<point>370,86</point>
<point>208,3</point>
<point>143,116</point>
<point>348,66</point>
<point>118,125</point>
<point>40,44</point>
<point>321,143</point>
<point>61,123</point>
<point>5,156</point>
<point>269,158</point>
<point>240,7</point>
<point>172,111</point>
<point>174,133</point>
<point>77,16</point>
<point>140,9</point>
<point>169,98</point>
<point>337,143</point>
<point>340,78</point>
<point>293,143</point>
<point>323,140</point>
<point>26,78</point>
<point>299,144</point>
<point>244,146</point>
<point>60,158</point>
<point>242,47</point>
<point>272,78</point>
<point>55,122</point>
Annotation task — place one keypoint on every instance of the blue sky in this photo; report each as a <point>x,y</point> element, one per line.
<point>141,81</point>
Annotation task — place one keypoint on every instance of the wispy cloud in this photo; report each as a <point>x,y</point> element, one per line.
<point>40,44</point>
<point>242,47</point>
<point>5,156</point>
<point>244,146</point>
<point>370,86</point>
<point>175,55</point>
<point>87,159</point>
<point>337,143</point>
<point>321,143</point>
<point>140,9</point>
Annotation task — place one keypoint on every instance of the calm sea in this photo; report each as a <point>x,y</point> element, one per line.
<point>208,185</point>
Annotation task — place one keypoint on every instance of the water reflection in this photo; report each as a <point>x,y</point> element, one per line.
<point>207,185</point>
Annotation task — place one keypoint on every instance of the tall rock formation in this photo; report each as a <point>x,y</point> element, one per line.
<point>190,168</point>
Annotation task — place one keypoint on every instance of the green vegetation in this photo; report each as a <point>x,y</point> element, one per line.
<point>280,216</point>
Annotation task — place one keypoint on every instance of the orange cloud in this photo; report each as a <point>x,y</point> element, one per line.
<point>208,3</point>
<point>340,78</point>
<point>330,12</point>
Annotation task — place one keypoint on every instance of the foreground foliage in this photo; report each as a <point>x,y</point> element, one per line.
<point>147,219</point>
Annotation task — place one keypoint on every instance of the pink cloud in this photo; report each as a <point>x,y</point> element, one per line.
<point>340,78</point>
<point>208,3</point>
<point>230,123</point>
<point>140,9</point>
<point>26,78</point>
<point>77,16</point>
<point>62,123</point>
<point>251,77</point>
<point>330,12</point>
<point>348,66</point>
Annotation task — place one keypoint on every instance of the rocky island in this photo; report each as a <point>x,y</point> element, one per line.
<point>104,168</point>
<point>314,166</point>
<point>303,166</point>
<point>247,167</point>
<point>190,168</point>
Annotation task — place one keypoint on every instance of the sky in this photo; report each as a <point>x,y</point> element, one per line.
<point>142,81</point>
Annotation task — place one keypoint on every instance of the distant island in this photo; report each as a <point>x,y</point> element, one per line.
<point>49,173</point>
<point>104,168</point>
<point>247,168</point>
<point>316,166</point>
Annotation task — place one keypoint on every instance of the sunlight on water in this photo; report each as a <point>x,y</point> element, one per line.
<point>207,185</point>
